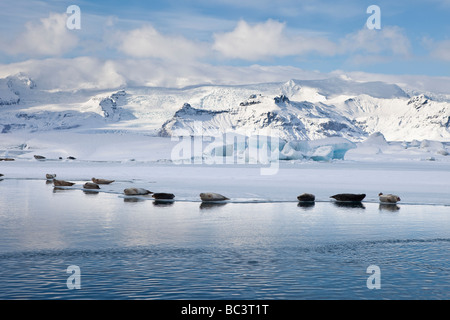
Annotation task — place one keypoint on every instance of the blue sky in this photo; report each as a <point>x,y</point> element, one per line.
<point>322,36</point>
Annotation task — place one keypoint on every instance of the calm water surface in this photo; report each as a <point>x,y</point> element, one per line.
<point>144,250</point>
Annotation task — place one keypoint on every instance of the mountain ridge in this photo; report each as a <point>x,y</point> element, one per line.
<point>299,109</point>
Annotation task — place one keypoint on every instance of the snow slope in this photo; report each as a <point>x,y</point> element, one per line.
<point>297,109</point>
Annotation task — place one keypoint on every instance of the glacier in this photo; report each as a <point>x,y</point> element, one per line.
<point>320,120</point>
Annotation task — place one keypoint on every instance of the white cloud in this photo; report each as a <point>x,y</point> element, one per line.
<point>48,37</point>
<point>92,73</point>
<point>440,50</point>
<point>68,74</point>
<point>390,40</point>
<point>270,39</point>
<point>147,42</point>
<point>266,40</point>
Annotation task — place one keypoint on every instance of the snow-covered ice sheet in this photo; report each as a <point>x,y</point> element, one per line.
<point>416,172</point>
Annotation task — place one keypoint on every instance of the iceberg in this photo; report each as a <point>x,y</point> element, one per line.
<point>333,148</point>
<point>324,153</point>
<point>337,148</point>
<point>375,144</point>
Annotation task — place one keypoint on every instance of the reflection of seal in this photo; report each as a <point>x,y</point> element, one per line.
<point>62,183</point>
<point>102,181</point>
<point>306,197</point>
<point>90,192</point>
<point>90,185</point>
<point>133,200</point>
<point>348,197</point>
<point>306,204</point>
<point>163,196</point>
<point>351,205</point>
<point>211,205</point>
<point>389,207</point>
<point>388,198</point>
<point>136,191</point>
<point>159,203</point>
<point>210,196</point>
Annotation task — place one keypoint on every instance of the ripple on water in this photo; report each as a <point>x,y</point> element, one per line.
<point>322,272</point>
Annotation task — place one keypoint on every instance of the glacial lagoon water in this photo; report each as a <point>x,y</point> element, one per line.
<point>132,249</point>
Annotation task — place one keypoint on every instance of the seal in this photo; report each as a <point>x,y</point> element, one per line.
<point>349,197</point>
<point>163,196</point>
<point>306,197</point>
<point>90,185</point>
<point>136,192</point>
<point>388,198</point>
<point>62,183</point>
<point>211,196</point>
<point>38,157</point>
<point>102,181</point>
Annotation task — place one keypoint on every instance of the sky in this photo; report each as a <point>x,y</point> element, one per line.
<point>178,43</point>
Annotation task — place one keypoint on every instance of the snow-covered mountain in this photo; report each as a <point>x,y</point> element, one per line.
<point>297,109</point>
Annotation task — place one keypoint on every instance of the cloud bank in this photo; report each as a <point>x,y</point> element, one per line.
<point>59,58</point>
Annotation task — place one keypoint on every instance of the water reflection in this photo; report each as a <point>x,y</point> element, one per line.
<point>132,200</point>
<point>60,189</point>
<point>349,205</point>
<point>306,205</point>
<point>163,203</point>
<point>90,192</point>
<point>389,207</point>
<point>211,205</point>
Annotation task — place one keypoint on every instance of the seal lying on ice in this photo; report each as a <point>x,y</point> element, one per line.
<point>211,196</point>
<point>136,191</point>
<point>306,197</point>
<point>102,181</point>
<point>90,185</point>
<point>62,183</point>
<point>388,198</point>
<point>163,196</point>
<point>348,197</point>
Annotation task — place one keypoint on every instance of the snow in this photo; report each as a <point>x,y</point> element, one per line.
<point>313,109</point>
<point>145,161</point>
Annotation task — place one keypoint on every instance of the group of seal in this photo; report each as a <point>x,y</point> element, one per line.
<point>351,197</point>
<point>216,197</point>
<point>42,158</point>
<point>94,185</point>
